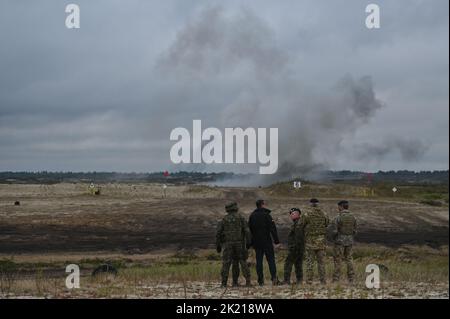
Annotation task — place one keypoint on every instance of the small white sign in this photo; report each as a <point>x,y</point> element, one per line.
<point>394,189</point>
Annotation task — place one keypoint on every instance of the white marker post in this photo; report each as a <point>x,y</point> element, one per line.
<point>394,190</point>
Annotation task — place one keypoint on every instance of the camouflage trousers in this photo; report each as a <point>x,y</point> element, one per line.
<point>346,253</point>
<point>311,256</point>
<point>237,255</point>
<point>294,258</point>
<point>235,271</point>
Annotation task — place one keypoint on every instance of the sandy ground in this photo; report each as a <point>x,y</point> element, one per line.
<point>202,290</point>
<point>60,223</point>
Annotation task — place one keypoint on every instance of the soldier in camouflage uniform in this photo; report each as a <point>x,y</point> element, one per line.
<point>233,236</point>
<point>314,224</point>
<point>235,271</point>
<point>295,249</point>
<point>344,230</point>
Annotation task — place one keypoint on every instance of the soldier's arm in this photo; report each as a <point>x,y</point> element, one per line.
<point>250,223</point>
<point>335,226</point>
<point>246,232</point>
<point>299,235</point>
<point>273,229</point>
<point>303,220</point>
<point>219,234</point>
<point>327,220</point>
<point>337,221</point>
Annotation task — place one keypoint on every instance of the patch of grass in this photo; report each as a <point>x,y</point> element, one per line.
<point>7,265</point>
<point>408,264</point>
<point>213,256</point>
<point>414,192</point>
<point>8,270</point>
<point>182,257</point>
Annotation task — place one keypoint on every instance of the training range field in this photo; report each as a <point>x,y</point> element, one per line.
<point>162,243</point>
<point>135,219</point>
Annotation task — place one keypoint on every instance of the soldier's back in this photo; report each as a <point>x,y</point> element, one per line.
<point>315,228</point>
<point>346,228</point>
<point>232,228</point>
<point>317,222</point>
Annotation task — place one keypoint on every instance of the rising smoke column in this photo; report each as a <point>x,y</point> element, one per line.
<point>233,73</point>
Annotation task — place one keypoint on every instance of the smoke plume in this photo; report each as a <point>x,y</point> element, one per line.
<point>232,73</point>
<point>409,149</point>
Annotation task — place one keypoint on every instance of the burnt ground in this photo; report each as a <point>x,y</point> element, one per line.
<point>43,239</point>
<point>130,219</point>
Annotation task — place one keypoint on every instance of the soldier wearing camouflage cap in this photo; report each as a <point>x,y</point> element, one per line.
<point>344,231</point>
<point>314,224</point>
<point>296,247</point>
<point>234,237</point>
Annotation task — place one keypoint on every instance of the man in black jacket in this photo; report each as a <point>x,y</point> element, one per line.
<point>264,236</point>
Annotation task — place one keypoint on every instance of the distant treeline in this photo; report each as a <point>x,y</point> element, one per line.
<point>390,176</point>
<point>45,177</point>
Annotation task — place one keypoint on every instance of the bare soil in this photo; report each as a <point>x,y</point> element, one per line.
<point>134,219</point>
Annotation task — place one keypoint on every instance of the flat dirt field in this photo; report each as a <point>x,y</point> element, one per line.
<point>134,225</point>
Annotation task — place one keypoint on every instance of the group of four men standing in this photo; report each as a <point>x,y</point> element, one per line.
<point>307,239</point>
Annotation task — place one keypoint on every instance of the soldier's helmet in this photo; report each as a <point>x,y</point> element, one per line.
<point>313,200</point>
<point>231,207</point>
<point>343,204</point>
<point>294,210</point>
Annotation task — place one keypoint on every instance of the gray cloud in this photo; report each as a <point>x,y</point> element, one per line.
<point>106,96</point>
<point>409,149</point>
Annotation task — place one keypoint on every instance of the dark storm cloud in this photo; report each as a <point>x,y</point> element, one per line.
<point>106,96</point>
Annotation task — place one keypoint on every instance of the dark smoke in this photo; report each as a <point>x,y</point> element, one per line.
<point>233,64</point>
<point>409,149</point>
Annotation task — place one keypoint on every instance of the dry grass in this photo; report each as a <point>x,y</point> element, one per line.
<point>408,272</point>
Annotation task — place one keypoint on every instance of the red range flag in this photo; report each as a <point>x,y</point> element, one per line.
<point>166,173</point>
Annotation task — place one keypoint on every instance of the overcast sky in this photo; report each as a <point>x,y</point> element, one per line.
<point>106,96</point>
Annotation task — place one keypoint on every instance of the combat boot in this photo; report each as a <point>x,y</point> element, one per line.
<point>287,280</point>
<point>351,281</point>
<point>224,283</point>
<point>248,283</point>
<point>336,278</point>
<point>235,284</point>
<point>276,282</point>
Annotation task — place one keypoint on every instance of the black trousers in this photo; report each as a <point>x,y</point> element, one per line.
<point>270,257</point>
